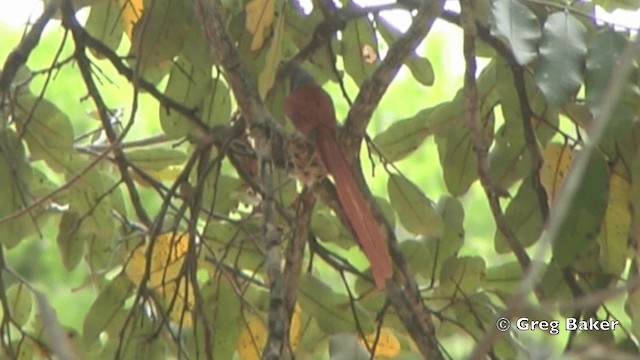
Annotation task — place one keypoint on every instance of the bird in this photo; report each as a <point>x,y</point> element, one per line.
<point>310,109</point>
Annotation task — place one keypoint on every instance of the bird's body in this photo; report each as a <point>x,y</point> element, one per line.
<point>311,111</point>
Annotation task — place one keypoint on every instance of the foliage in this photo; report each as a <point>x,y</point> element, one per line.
<point>157,194</point>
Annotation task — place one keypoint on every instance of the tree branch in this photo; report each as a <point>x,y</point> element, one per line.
<point>70,22</point>
<point>20,53</point>
<point>477,136</point>
<point>262,129</point>
<point>374,88</point>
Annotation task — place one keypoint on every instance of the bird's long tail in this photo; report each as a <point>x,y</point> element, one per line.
<point>356,209</point>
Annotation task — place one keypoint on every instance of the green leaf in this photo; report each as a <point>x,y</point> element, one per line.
<point>427,257</point>
<point>105,25</point>
<point>504,278</point>
<point>225,315</point>
<point>236,245</point>
<point>509,159</point>
<point>222,192</point>
<point>196,49</point>
<point>359,49</point>
<point>452,238</point>
<point>70,240</point>
<point>216,108</point>
<point>603,55</point>
<point>88,199</point>
<point>420,67</point>
<point>405,136</point>
<point>47,131</point>
<point>333,312</point>
<point>462,276</point>
<point>632,308</point>
<point>24,349</point>
<point>103,310</point>
<point>457,158</point>
<point>159,35</point>
<point>187,85</point>
<point>20,302</point>
<point>611,5</point>
<point>418,256</point>
<point>347,347</point>
<point>15,176</point>
<point>415,211</point>
<point>325,225</point>
<point>584,217</point>
<point>563,47</point>
<point>603,58</point>
<point>156,158</point>
<point>518,26</point>
<point>524,217</point>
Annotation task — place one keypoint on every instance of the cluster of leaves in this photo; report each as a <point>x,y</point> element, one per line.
<point>189,280</point>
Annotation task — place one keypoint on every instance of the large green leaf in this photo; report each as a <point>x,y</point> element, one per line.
<point>457,158</point>
<point>224,320</point>
<point>347,347</point>
<point>47,131</point>
<point>103,310</point>
<point>88,198</point>
<point>519,26</point>
<point>611,5</point>
<point>584,217</point>
<point>20,303</point>
<point>420,67</point>
<point>156,158</point>
<point>461,275</point>
<point>236,245</point>
<point>603,57</point>
<point>427,256</point>
<point>359,49</point>
<point>159,35</point>
<point>71,240</point>
<point>187,85</point>
<point>504,278</point>
<point>221,192</point>
<point>509,159</point>
<point>524,217</point>
<point>104,24</point>
<point>216,107</point>
<point>333,312</point>
<point>414,209</point>
<point>405,136</point>
<point>563,47</point>
<point>16,176</point>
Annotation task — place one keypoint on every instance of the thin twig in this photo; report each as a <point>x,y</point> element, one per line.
<point>20,53</point>
<point>476,133</point>
<point>262,129</point>
<point>70,22</point>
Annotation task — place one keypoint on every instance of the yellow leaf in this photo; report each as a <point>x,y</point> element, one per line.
<point>166,259</point>
<point>131,11</point>
<point>254,335</point>
<point>259,17</point>
<point>295,327</point>
<point>615,227</point>
<point>387,345</point>
<point>268,75</point>
<point>180,299</point>
<point>557,161</point>
<point>252,339</point>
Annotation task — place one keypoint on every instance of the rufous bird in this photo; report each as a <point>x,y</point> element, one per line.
<point>311,111</point>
